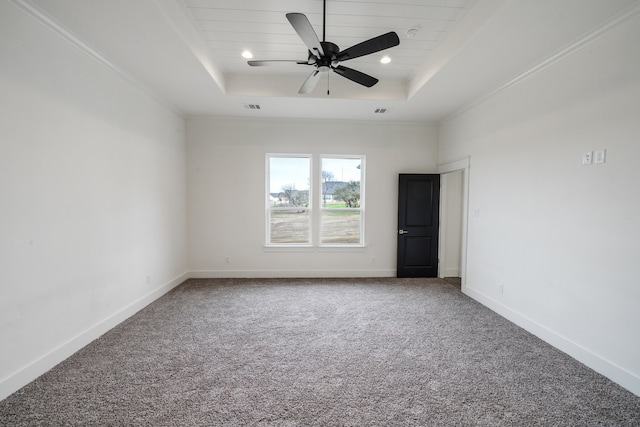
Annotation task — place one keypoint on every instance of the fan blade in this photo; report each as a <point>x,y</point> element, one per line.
<point>375,44</point>
<point>310,83</point>
<point>356,76</point>
<point>261,63</point>
<point>303,27</point>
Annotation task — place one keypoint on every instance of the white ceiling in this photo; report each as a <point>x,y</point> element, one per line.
<point>261,27</point>
<point>187,53</point>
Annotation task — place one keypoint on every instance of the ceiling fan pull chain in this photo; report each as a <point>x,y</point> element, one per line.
<point>328,78</point>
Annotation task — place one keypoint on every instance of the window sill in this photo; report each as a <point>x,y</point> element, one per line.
<point>341,248</point>
<point>292,248</point>
<point>323,248</point>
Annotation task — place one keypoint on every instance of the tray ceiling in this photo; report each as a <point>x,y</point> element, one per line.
<point>187,53</point>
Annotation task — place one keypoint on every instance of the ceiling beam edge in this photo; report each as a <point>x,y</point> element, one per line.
<point>178,16</point>
<point>477,15</point>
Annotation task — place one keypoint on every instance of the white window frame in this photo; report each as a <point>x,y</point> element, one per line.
<point>270,208</point>
<point>315,207</point>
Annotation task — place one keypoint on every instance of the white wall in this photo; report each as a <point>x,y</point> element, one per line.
<point>92,199</point>
<point>226,182</point>
<point>562,238</point>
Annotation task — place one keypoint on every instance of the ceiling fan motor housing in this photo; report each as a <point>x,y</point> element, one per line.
<point>323,63</point>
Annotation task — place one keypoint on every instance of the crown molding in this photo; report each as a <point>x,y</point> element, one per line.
<point>50,23</point>
<point>601,30</point>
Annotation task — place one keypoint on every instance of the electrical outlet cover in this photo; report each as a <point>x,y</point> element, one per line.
<point>599,156</point>
<point>587,158</point>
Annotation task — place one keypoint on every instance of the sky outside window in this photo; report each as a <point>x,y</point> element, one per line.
<point>344,170</point>
<point>286,171</point>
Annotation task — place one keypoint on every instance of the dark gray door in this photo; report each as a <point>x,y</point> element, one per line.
<point>418,220</point>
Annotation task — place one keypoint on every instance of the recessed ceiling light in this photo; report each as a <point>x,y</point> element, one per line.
<point>247,55</point>
<point>385,60</point>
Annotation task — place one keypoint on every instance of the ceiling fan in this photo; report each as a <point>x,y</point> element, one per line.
<point>325,56</point>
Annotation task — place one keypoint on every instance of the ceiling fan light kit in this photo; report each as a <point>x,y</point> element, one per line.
<point>326,56</point>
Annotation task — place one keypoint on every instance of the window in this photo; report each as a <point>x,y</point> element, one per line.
<point>341,204</point>
<point>289,198</point>
<point>295,217</point>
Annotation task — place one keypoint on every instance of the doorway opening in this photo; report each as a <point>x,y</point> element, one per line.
<point>453,224</point>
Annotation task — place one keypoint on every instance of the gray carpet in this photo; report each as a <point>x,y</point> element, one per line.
<point>348,352</point>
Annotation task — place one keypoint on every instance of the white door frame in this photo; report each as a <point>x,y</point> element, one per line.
<point>459,165</point>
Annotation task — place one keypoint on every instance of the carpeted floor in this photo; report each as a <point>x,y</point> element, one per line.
<point>455,281</point>
<point>340,352</point>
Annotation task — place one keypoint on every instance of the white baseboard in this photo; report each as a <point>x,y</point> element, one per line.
<point>264,274</point>
<point>33,370</point>
<point>615,373</point>
<point>450,272</point>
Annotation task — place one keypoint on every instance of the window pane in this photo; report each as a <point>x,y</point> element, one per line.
<point>289,226</point>
<point>341,182</point>
<point>340,227</point>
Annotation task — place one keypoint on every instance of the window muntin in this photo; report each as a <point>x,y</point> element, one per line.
<point>289,199</point>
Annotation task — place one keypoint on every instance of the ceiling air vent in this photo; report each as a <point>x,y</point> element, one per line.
<point>381,110</point>
<point>252,106</point>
